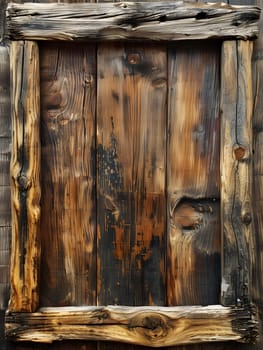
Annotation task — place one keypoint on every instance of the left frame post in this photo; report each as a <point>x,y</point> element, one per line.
<point>25,176</point>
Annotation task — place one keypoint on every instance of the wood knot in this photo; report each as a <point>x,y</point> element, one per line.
<point>24,182</point>
<point>155,326</point>
<point>134,58</point>
<point>246,218</point>
<point>151,325</point>
<point>186,217</point>
<point>240,152</point>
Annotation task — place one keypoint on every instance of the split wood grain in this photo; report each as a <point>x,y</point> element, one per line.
<point>236,172</point>
<point>150,326</point>
<point>167,21</point>
<point>25,172</point>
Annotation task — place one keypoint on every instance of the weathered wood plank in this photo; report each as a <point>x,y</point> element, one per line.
<point>131,174</point>
<point>236,171</point>
<point>131,21</point>
<point>5,206</point>
<point>68,222</point>
<point>5,119</point>
<point>5,235</point>
<point>257,283</point>
<point>5,154</point>
<point>25,171</point>
<point>3,4</point>
<point>193,231</point>
<point>150,326</point>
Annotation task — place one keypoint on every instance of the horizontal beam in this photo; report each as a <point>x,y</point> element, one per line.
<point>154,21</point>
<point>146,325</point>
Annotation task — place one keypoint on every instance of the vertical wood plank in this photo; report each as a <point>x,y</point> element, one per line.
<point>5,192</point>
<point>25,171</point>
<point>236,171</point>
<point>193,231</point>
<point>2,18</point>
<point>5,153</point>
<point>5,119</point>
<point>257,290</point>
<point>68,223</point>
<point>131,119</point>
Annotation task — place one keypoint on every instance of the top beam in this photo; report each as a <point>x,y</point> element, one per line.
<point>152,21</point>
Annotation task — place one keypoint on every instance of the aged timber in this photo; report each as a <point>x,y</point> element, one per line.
<point>193,228</point>
<point>68,100</point>
<point>131,174</point>
<point>150,326</point>
<point>236,171</point>
<point>167,21</point>
<point>25,172</point>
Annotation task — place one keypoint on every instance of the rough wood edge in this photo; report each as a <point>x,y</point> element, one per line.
<point>150,326</point>
<point>154,21</point>
<point>25,176</point>
<point>236,172</point>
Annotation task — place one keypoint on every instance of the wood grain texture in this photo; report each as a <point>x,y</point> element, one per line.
<point>258,163</point>
<point>5,233</point>
<point>68,223</point>
<point>3,4</point>
<point>131,21</point>
<point>25,171</point>
<point>131,129</point>
<point>56,346</point>
<point>5,119</point>
<point>236,172</point>
<point>5,154</point>
<point>5,129</point>
<point>193,231</point>
<point>150,326</point>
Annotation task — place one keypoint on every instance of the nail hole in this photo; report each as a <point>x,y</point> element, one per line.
<point>163,18</point>
<point>201,15</point>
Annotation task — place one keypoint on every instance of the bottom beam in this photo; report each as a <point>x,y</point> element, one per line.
<point>149,326</point>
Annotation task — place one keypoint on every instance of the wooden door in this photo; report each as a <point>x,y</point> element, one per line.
<point>130,174</point>
<point>130,182</point>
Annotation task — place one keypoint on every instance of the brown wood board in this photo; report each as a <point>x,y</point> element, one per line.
<point>193,182</point>
<point>25,172</point>
<point>131,151</point>
<point>168,21</point>
<point>151,326</point>
<point>68,220</point>
<point>236,172</point>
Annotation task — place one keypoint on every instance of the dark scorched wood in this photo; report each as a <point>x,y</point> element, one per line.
<point>167,21</point>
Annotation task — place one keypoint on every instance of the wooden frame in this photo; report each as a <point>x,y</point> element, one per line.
<point>152,326</point>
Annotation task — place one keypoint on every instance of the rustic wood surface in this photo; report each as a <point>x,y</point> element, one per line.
<point>25,172</point>
<point>152,326</point>
<point>5,148</point>
<point>4,121</point>
<point>131,147</point>
<point>68,206</point>
<point>5,153</point>
<point>258,165</point>
<point>236,171</point>
<point>193,158</point>
<point>124,179</point>
<point>131,21</point>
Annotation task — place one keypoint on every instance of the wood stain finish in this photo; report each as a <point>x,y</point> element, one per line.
<point>187,215</point>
